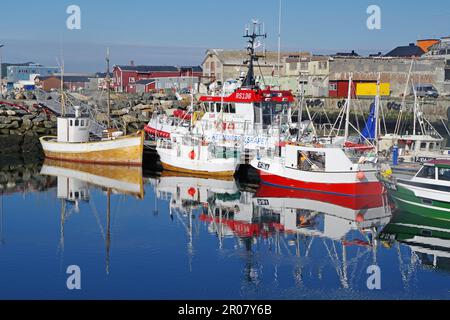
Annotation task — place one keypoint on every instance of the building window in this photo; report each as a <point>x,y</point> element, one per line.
<point>447,74</point>
<point>304,66</point>
<point>323,65</point>
<point>131,80</point>
<point>333,87</point>
<point>293,66</point>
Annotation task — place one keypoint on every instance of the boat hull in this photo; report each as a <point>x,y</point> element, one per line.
<point>126,150</point>
<point>407,200</point>
<point>341,184</point>
<point>211,168</point>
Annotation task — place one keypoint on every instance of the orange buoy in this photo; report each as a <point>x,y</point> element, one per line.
<point>361,175</point>
<point>359,218</point>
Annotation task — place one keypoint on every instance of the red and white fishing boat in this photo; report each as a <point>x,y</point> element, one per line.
<point>321,169</point>
<point>244,113</point>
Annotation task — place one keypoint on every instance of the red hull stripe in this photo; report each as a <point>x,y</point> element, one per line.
<point>360,189</point>
<point>158,133</point>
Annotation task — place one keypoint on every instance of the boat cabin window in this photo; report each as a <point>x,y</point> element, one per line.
<point>423,146</point>
<point>71,123</point>
<point>444,174</point>
<point>227,108</point>
<point>427,172</point>
<point>77,123</point>
<point>275,113</point>
<point>311,161</point>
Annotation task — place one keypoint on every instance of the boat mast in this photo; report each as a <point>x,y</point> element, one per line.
<point>108,83</point>
<point>279,40</point>
<point>63,102</point>
<point>400,115</point>
<point>250,81</point>
<point>348,104</point>
<point>377,114</point>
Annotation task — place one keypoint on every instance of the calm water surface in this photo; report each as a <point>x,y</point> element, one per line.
<point>179,237</point>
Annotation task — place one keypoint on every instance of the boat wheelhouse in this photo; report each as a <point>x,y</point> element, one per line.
<point>427,193</point>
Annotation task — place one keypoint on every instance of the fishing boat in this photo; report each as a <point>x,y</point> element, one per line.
<point>191,154</point>
<point>242,112</point>
<point>320,169</point>
<point>74,142</point>
<point>427,193</point>
<point>339,169</point>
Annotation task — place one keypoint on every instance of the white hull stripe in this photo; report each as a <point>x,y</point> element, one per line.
<point>423,205</point>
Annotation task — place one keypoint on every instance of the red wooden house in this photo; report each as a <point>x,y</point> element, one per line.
<point>126,77</point>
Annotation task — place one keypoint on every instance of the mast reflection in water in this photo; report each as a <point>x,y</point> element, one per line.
<point>181,237</point>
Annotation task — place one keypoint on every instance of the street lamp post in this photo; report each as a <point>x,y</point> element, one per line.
<point>1,71</point>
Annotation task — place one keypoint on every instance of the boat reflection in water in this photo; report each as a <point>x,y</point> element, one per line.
<point>277,222</point>
<point>74,184</point>
<point>427,236</point>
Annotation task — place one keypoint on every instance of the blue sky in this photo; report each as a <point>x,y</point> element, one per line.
<point>179,31</point>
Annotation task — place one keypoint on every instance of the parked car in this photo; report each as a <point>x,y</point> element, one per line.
<point>425,91</point>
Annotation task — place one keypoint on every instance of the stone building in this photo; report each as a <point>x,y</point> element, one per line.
<point>229,64</point>
<point>394,71</point>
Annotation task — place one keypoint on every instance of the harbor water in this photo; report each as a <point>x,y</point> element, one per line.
<point>167,236</point>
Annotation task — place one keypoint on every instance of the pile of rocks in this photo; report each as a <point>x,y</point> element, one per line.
<point>20,128</point>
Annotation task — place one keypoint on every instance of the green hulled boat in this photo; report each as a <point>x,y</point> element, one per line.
<point>427,194</point>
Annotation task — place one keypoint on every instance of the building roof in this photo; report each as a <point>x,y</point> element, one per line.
<point>406,51</point>
<point>347,54</point>
<point>193,68</point>
<point>66,78</point>
<point>237,57</point>
<point>148,69</point>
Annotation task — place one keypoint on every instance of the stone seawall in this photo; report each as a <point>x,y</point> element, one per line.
<point>21,127</point>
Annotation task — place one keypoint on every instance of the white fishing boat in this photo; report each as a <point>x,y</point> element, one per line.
<point>244,113</point>
<point>190,154</point>
<point>74,143</point>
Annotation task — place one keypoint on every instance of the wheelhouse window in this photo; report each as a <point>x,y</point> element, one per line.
<point>427,173</point>
<point>311,161</point>
<point>423,146</point>
<point>275,113</point>
<point>444,174</point>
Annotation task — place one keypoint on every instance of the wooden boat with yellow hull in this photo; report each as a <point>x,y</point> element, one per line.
<point>125,150</point>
